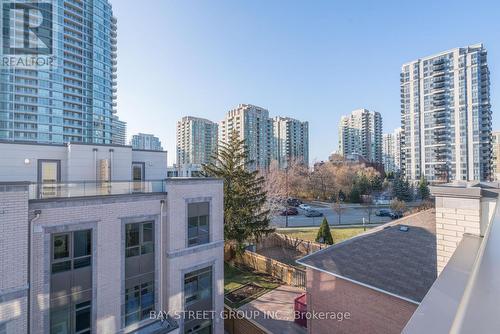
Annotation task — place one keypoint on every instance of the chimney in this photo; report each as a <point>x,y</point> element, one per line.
<point>461,208</point>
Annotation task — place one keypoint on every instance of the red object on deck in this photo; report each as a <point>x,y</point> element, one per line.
<point>300,308</point>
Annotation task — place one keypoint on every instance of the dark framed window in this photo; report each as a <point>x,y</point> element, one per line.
<point>198,286</point>
<point>71,250</point>
<point>139,271</point>
<point>202,328</point>
<point>73,318</point>
<point>138,171</point>
<point>198,223</point>
<point>139,239</point>
<point>83,318</point>
<point>139,302</point>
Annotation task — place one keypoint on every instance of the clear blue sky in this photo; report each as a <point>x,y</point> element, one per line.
<point>312,60</point>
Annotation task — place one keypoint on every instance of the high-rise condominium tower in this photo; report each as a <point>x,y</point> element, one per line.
<point>196,140</point>
<point>144,141</point>
<point>446,116</point>
<point>391,151</point>
<point>291,141</point>
<point>119,136</point>
<point>253,125</point>
<point>74,100</point>
<point>361,133</point>
<point>496,155</point>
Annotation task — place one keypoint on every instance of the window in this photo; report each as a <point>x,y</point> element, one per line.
<point>198,223</point>
<point>139,271</point>
<point>83,318</point>
<point>203,328</point>
<point>71,251</point>
<point>139,301</point>
<point>71,319</point>
<point>71,282</point>
<point>198,285</point>
<point>139,239</point>
<point>138,171</point>
<point>198,297</point>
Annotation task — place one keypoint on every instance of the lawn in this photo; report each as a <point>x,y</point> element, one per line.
<point>235,278</point>
<point>339,234</point>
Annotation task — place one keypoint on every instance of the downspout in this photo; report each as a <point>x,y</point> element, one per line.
<point>111,164</point>
<point>30,255</point>
<point>95,165</point>
<point>160,232</point>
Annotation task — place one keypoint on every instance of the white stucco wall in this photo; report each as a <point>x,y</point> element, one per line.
<point>79,162</point>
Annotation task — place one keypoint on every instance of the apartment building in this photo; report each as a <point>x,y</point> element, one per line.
<point>145,141</point>
<point>495,141</point>
<point>446,116</point>
<point>361,133</point>
<point>196,140</point>
<point>74,101</point>
<point>290,141</point>
<point>95,239</point>
<point>119,136</point>
<point>391,151</point>
<point>253,125</point>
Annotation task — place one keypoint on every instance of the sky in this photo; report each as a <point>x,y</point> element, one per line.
<point>310,60</point>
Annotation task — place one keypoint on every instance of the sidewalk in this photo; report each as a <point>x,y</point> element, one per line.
<point>275,310</point>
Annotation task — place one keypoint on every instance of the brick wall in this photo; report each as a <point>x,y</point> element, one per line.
<point>106,213</point>
<point>454,217</point>
<point>184,260</point>
<point>13,258</point>
<point>370,311</point>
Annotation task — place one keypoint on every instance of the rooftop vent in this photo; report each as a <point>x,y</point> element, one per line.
<point>404,228</point>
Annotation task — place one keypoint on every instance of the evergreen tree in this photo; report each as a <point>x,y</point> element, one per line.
<point>397,187</point>
<point>423,188</point>
<point>324,234</point>
<point>376,183</point>
<point>408,191</point>
<point>245,218</point>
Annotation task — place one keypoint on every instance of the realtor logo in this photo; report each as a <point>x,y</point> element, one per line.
<point>28,30</point>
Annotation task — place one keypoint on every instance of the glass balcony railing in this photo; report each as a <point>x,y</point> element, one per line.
<point>91,188</point>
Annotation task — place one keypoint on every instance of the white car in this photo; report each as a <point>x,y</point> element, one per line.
<point>305,207</point>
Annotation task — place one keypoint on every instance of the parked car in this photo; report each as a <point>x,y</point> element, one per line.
<point>293,202</point>
<point>289,212</point>
<point>383,213</point>
<point>305,207</point>
<point>396,214</point>
<point>382,201</point>
<point>313,213</point>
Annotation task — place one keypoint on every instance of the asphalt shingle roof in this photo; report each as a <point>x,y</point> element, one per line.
<point>402,263</point>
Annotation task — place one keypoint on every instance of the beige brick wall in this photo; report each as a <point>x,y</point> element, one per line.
<point>107,214</point>
<point>185,259</point>
<point>13,258</point>
<point>108,262</point>
<point>370,311</point>
<point>454,217</point>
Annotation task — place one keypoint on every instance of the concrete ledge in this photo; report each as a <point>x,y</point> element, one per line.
<point>195,249</point>
<point>466,190</point>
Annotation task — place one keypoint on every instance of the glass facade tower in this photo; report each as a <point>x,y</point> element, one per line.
<point>74,100</point>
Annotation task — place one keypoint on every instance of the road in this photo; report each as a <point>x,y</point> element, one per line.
<point>350,216</point>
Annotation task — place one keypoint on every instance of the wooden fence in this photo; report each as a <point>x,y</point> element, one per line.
<point>282,240</point>
<point>235,324</point>
<point>288,274</point>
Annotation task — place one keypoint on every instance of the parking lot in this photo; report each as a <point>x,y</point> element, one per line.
<point>351,215</point>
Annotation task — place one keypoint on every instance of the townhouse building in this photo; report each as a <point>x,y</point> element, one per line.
<point>95,239</point>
